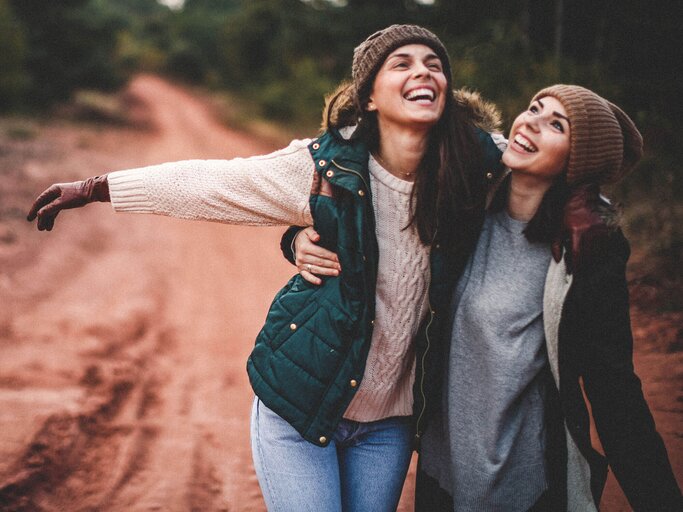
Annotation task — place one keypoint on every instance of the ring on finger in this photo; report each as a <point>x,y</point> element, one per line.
<point>309,268</point>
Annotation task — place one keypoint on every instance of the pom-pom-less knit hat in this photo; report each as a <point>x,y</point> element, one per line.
<point>604,144</point>
<point>371,53</point>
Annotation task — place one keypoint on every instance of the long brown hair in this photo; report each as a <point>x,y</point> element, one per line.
<point>446,187</point>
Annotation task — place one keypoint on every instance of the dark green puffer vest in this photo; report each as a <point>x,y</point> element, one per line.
<point>310,356</point>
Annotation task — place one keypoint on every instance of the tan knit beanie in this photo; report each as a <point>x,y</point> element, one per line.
<point>371,53</point>
<point>604,143</point>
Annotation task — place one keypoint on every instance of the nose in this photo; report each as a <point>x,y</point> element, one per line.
<point>531,121</point>
<point>421,70</point>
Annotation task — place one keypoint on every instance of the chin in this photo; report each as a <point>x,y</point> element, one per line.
<point>428,119</point>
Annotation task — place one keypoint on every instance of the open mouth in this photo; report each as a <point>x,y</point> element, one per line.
<point>421,94</point>
<point>524,143</point>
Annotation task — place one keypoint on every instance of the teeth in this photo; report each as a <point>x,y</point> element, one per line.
<point>422,92</point>
<point>522,141</point>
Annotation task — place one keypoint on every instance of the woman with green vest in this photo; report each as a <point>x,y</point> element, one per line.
<point>334,365</point>
<point>531,331</point>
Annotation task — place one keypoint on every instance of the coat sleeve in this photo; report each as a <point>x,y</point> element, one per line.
<point>287,243</point>
<point>493,146</point>
<point>272,189</point>
<point>634,449</point>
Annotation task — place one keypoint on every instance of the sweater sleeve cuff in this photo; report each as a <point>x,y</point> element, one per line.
<point>128,192</point>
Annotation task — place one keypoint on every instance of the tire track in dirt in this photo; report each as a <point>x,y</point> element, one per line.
<point>145,323</point>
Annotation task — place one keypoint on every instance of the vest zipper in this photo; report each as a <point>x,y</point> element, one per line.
<point>353,172</point>
<point>418,434</point>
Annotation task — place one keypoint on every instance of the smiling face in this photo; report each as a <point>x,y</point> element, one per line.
<point>410,88</point>
<point>539,140</point>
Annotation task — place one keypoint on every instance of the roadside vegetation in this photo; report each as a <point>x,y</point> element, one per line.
<point>272,61</point>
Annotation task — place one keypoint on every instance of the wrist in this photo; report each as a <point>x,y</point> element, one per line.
<point>100,189</point>
<point>292,245</point>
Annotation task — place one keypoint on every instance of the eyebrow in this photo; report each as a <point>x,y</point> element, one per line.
<point>556,113</point>
<point>429,56</point>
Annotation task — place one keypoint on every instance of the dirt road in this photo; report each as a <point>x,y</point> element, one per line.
<point>123,338</point>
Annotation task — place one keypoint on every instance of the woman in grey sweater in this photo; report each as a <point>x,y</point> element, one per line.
<point>529,325</point>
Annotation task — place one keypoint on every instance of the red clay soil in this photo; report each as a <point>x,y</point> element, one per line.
<point>123,338</point>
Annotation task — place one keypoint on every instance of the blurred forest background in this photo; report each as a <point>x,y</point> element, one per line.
<point>276,59</point>
<point>122,382</point>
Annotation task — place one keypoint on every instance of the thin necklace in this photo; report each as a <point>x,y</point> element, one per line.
<point>383,164</point>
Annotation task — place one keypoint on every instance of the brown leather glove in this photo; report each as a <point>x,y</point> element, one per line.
<point>584,232</point>
<point>62,196</point>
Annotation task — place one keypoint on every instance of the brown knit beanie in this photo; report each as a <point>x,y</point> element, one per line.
<point>369,56</point>
<point>604,144</point>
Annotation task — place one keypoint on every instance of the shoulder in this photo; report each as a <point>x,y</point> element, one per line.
<point>340,144</point>
<point>607,263</point>
<point>613,247</point>
<point>296,149</point>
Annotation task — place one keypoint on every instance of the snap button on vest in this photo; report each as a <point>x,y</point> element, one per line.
<point>322,439</point>
<point>322,163</point>
<point>316,145</point>
<point>353,383</point>
<point>292,327</point>
<point>489,175</point>
<point>361,193</point>
<point>329,174</point>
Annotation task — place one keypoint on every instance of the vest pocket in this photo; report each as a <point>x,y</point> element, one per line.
<point>289,324</point>
<point>319,343</point>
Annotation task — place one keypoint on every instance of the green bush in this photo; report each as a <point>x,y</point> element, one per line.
<point>300,97</point>
<point>14,81</point>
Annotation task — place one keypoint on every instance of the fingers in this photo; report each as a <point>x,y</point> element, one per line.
<point>311,234</point>
<point>46,222</point>
<point>320,255</point>
<point>47,214</point>
<point>323,265</point>
<point>308,253</point>
<point>311,278</point>
<point>318,270</point>
<point>313,260</point>
<point>42,200</point>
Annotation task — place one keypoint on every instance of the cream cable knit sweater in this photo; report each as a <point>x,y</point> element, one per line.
<point>401,303</point>
<point>274,189</point>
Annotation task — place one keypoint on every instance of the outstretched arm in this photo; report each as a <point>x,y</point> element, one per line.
<point>265,190</point>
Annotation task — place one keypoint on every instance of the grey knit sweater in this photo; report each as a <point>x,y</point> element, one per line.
<point>487,448</point>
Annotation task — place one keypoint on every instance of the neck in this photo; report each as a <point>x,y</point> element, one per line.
<point>526,194</point>
<point>400,151</point>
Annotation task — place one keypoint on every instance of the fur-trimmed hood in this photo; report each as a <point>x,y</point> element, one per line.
<point>483,114</point>
<point>341,110</point>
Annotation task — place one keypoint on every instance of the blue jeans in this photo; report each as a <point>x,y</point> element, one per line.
<point>362,469</point>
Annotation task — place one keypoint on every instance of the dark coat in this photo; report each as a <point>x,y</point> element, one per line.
<point>589,341</point>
